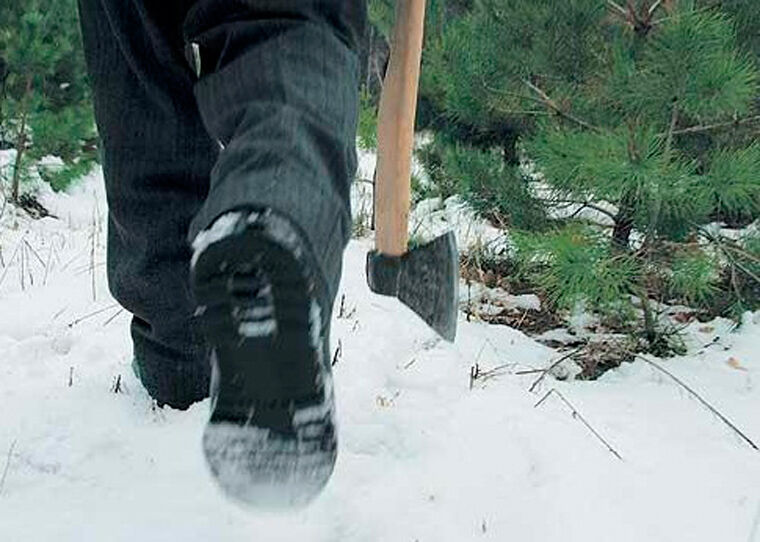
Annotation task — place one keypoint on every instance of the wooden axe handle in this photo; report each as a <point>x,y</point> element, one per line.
<point>395,129</point>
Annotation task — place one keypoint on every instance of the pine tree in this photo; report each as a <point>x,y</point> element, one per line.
<point>644,112</point>
<point>45,107</point>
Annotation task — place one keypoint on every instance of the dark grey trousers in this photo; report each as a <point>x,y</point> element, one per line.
<point>277,89</point>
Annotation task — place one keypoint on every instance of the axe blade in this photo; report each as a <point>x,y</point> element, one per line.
<point>425,279</point>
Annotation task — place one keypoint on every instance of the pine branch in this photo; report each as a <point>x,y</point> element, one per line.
<point>717,126</point>
<point>547,100</point>
<point>725,246</point>
<point>671,131</point>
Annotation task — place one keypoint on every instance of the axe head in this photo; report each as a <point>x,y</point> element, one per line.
<point>425,279</point>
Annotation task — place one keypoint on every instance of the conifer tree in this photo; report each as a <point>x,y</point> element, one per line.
<point>45,106</point>
<point>644,112</point>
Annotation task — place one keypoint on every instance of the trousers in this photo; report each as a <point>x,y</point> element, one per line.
<point>204,107</point>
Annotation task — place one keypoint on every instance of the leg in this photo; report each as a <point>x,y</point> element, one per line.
<point>279,88</point>
<point>157,161</point>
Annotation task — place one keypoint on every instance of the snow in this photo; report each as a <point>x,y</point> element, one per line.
<point>432,217</point>
<point>425,454</point>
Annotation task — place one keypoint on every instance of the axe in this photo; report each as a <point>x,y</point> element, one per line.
<point>425,278</point>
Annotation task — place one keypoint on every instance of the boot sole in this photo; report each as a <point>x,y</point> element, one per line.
<point>270,440</point>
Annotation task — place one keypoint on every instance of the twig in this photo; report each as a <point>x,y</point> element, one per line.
<point>553,105</point>
<point>90,315</point>
<point>112,318</point>
<point>720,242</point>
<point>475,369</point>
<point>584,204</point>
<point>92,260</point>
<point>7,465</point>
<point>474,375</point>
<point>654,7</point>
<point>34,252</point>
<point>716,126</point>
<point>27,248</point>
<point>578,416</point>
<point>699,398</point>
<point>528,372</point>
<point>495,371</point>
<point>22,275</point>
<point>410,363</point>
<point>10,262</point>
<point>48,264</point>
<point>338,353</point>
<point>117,386</point>
<point>617,7</point>
<point>553,366</point>
<point>522,319</point>
<point>71,376</point>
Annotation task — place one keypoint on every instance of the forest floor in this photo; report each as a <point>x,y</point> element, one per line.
<point>427,452</point>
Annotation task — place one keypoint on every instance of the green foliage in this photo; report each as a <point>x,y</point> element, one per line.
<point>380,14</point>
<point>367,127</point>
<point>691,64</point>
<point>648,115</point>
<point>576,265</point>
<point>733,182</point>
<point>61,179</point>
<point>496,189</point>
<point>45,108</point>
<point>432,156</point>
<point>693,277</point>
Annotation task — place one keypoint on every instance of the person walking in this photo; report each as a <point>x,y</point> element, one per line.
<point>228,137</point>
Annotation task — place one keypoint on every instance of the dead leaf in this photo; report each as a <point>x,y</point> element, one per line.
<point>683,317</point>
<point>734,363</point>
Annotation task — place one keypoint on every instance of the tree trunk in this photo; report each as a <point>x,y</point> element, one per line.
<point>621,235</point>
<point>509,150</point>
<point>21,140</point>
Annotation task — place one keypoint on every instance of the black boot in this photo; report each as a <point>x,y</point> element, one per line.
<point>266,312</point>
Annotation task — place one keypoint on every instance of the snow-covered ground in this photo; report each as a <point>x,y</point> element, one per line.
<point>426,455</point>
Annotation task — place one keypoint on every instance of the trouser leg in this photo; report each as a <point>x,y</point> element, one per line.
<point>278,87</point>
<point>157,160</point>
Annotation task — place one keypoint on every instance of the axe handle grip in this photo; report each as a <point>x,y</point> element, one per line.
<point>395,130</point>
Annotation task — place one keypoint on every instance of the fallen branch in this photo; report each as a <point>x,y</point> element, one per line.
<point>578,416</point>
<point>699,398</point>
